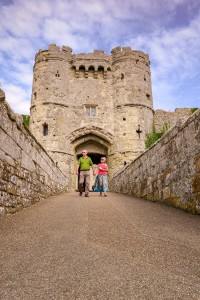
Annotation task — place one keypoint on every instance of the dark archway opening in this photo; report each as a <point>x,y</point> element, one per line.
<point>94,156</point>
<point>96,148</point>
<point>96,160</point>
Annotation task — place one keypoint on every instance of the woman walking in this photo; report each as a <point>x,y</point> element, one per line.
<point>102,171</point>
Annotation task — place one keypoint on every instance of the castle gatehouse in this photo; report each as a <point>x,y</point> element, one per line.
<point>93,100</point>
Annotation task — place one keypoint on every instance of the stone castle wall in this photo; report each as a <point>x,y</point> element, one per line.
<point>27,173</point>
<point>170,118</point>
<point>116,87</point>
<point>169,172</point>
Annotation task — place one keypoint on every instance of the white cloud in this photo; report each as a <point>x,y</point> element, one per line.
<point>17,48</point>
<point>54,29</point>
<point>174,54</point>
<point>22,74</point>
<point>17,97</point>
<point>61,33</point>
<point>167,30</point>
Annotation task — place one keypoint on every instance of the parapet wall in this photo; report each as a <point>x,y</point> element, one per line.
<point>27,173</point>
<point>169,172</point>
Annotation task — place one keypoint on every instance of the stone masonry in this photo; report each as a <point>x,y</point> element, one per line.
<point>169,172</point>
<point>170,118</point>
<point>94,101</point>
<point>27,173</point>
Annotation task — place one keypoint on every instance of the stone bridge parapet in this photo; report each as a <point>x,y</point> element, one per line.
<point>169,172</point>
<point>27,173</point>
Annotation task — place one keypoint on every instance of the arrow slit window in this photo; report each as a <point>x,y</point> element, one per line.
<point>45,129</point>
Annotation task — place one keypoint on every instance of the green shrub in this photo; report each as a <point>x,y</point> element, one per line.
<point>193,109</point>
<point>26,120</point>
<point>152,137</point>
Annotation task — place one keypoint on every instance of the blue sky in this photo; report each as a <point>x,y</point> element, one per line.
<point>168,30</point>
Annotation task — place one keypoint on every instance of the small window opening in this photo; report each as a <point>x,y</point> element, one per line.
<point>144,78</point>
<point>57,74</point>
<point>91,111</point>
<point>91,72</point>
<point>148,96</point>
<point>81,71</point>
<point>35,95</point>
<point>100,72</point>
<point>45,129</point>
<point>122,76</point>
<point>124,119</point>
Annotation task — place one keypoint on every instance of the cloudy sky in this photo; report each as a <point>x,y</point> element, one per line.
<point>168,30</point>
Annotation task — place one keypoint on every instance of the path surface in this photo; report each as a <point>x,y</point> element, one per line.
<point>114,248</point>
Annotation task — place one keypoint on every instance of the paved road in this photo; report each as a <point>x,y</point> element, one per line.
<point>119,247</point>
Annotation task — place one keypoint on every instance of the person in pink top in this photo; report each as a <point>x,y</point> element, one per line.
<point>102,171</point>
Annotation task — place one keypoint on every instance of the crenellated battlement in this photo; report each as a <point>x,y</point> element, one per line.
<point>121,50</point>
<point>94,59</point>
<point>124,53</point>
<point>42,55</point>
<point>54,52</point>
<point>94,62</point>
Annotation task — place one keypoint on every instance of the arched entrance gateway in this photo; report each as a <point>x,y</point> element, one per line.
<point>95,151</point>
<point>97,143</point>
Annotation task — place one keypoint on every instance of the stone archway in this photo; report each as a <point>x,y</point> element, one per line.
<point>97,133</point>
<point>95,140</point>
<point>95,151</point>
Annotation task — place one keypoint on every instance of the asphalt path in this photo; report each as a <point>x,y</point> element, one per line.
<point>106,248</point>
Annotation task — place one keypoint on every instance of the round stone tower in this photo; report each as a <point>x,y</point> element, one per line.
<point>49,104</point>
<point>132,103</point>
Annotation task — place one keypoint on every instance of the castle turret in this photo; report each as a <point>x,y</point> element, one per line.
<point>49,94</point>
<point>132,101</point>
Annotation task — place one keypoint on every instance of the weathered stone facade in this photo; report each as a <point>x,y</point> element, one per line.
<point>27,173</point>
<point>170,118</point>
<point>169,172</point>
<point>94,101</point>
